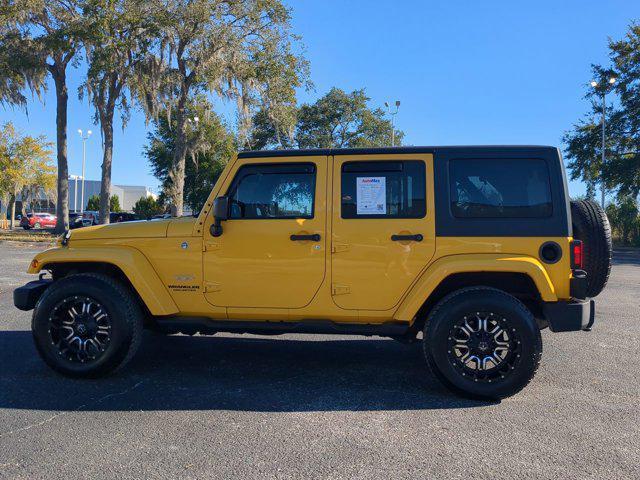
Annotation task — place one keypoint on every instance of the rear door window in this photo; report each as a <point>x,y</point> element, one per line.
<point>383,189</point>
<point>500,188</point>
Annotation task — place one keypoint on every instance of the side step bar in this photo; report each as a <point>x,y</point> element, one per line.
<point>208,326</point>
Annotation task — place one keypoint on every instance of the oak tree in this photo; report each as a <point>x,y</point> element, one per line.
<point>117,36</point>
<point>228,49</point>
<point>336,120</point>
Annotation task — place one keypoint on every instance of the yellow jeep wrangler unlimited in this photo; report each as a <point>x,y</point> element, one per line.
<point>470,250</point>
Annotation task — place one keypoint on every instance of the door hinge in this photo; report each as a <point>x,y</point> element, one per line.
<point>207,247</point>
<point>337,289</point>
<point>339,247</point>
<point>212,287</point>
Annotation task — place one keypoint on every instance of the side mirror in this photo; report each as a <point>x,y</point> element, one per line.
<point>221,208</point>
<point>220,214</point>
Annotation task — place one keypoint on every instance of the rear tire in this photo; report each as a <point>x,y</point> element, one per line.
<point>591,226</point>
<point>37,225</point>
<point>500,351</point>
<point>87,325</point>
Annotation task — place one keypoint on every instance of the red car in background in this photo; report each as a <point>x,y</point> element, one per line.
<point>38,220</point>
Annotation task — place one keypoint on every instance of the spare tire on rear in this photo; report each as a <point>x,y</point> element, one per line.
<point>591,226</point>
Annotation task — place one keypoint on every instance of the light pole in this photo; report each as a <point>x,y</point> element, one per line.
<point>75,191</point>
<point>393,114</point>
<point>84,158</point>
<point>594,84</point>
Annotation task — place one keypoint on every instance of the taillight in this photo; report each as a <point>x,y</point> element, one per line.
<point>577,254</point>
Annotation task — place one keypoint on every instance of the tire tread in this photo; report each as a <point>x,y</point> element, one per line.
<point>133,312</point>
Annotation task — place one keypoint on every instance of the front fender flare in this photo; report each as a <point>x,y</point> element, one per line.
<point>449,265</point>
<point>131,261</point>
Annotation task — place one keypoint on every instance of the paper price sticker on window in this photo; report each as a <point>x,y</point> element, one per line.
<point>371,195</point>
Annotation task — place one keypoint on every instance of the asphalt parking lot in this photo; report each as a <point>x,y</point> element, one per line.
<point>320,406</point>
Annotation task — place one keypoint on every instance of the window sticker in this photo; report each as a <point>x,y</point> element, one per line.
<point>371,195</point>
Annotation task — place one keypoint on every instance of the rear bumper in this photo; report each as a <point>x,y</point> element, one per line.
<point>570,316</point>
<point>26,297</point>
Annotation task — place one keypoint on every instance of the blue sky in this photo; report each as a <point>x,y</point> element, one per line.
<point>466,72</point>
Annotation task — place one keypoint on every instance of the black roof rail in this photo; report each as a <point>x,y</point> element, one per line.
<point>386,150</point>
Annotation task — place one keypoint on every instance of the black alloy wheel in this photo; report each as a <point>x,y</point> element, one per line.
<point>482,343</point>
<point>483,346</point>
<point>80,328</point>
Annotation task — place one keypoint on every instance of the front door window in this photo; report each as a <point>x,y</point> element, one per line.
<point>273,191</point>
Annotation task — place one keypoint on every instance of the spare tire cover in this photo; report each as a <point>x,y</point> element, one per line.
<point>591,226</point>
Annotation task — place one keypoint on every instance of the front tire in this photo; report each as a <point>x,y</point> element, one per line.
<point>482,343</point>
<point>87,325</point>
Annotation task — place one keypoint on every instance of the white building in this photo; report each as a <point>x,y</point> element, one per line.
<point>128,195</point>
<point>131,194</point>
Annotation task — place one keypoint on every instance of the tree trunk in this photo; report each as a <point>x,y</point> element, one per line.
<point>176,177</point>
<point>62,97</point>
<point>13,211</point>
<point>244,123</point>
<point>33,198</point>
<point>177,170</point>
<point>106,123</point>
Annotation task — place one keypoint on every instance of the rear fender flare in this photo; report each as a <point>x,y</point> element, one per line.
<point>442,268</point>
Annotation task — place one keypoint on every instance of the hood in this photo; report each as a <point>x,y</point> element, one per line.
<point>138,229</point>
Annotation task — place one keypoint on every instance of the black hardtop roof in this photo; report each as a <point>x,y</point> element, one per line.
<point>397,150</point>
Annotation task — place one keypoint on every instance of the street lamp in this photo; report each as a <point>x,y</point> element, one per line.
<point>594,84</point>
<point>84,157</point>
<point>75,191</point>
<point>393,114</point>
